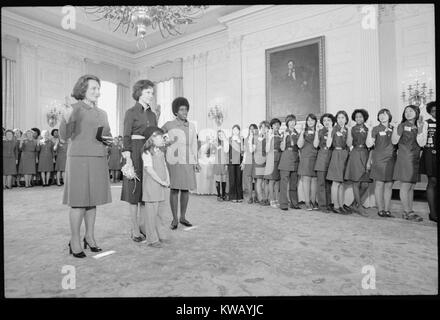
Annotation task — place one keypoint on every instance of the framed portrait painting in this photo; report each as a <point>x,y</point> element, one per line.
<point>295,79</point>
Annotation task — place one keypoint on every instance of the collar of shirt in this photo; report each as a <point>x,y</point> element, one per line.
<point>85,105</point>
<point>141,107</point>
<point>182,122</point>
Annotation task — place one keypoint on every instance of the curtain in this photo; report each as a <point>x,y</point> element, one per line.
<point>122,97</point>
<point>8,92</point>
<point>167,91</point>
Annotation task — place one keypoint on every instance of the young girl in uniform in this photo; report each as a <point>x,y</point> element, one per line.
<point>220,166</point>
<point>115,159</point>
<point>383,157</point>
<point>288,165</point>
<point>356,170</point>
<point>248,163</point>
<point>60,165</point>
<point>29,148</point>
<point>324,129</point>
<point>407,135</point>
<point>45,158</point>
<point>10,156</point>
<point>156,180</point>
<point>272,174</point>
<point>307,160</point>
<point>338,140</point>
<point>428,162</point>
<point>234,171</point>
<point>260,163</point>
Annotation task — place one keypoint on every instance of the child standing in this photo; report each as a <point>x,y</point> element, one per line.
<point>356,171</point>
<point>235,158</point>
<point>288,165</point>
<point>272,174</point>
<point>383,157</point>
<point>338,140</point>
<point>45,158</point>
<point>115,159</point>
<point>10,158</point>
<point>220,166</point>
<point>407,136</point>
<point>29,148</point>
<point>324,128</point>
<point>155,181</point>
<point>60,165</point>
<point>307,159</point>
<point>260,163</point>
<point>248,162</point>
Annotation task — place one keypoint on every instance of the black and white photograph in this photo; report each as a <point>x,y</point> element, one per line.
<point>219,150</point>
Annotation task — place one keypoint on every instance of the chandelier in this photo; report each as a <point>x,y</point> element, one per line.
<point>168,19</point>
<point>417,94</point>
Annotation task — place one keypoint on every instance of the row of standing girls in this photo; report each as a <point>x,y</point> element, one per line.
<point>327,154</point>
<point>28,154</point>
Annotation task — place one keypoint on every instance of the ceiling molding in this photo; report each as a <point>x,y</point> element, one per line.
<point>244,12</point>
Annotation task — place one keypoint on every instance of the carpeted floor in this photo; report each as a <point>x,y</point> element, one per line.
<point>236,250</point>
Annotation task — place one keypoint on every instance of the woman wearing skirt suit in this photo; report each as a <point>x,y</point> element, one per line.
<point>356,171</point>
<point>307,160</point>
<point>288,165</point>
<point>407,135</point>
<point>60,149</point>
<point>87,183</point>
<point>428,162</point>
<point>248,162</point>
<point>10,156</point>
<point>181,157</point>
<point>45,157</point>
<point>383,157</point>
<point>324,128</point>
<point>338,140</point>
<point>114,160</point>
<point>28,148</point>
<point>136,121</point>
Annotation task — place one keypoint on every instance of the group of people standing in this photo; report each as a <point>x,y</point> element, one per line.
<point>32,156</point>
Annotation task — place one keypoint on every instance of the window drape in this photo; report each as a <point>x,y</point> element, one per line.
<point>8,92</point>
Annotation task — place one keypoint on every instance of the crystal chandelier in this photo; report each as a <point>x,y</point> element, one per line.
<point>168,19</point>
<point>417,94</point>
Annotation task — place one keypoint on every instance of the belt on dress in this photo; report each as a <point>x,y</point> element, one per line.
<point>137,137</point>
<point>360,146</point>
<point>324,148</point>
<point>339,148</point>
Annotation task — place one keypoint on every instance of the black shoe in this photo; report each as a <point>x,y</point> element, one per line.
<point>186,223</point>
<point>347,209</point>
<point>173,226</point>
<point>295,206</point>
<point>93,249</point>
<point>137,239</point>
<point>284,209</point>
<point>315,206</point>
<point>143,234</point>
<point>343,211</point>
<point>76,255</point>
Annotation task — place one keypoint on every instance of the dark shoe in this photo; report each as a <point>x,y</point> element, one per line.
<point>143,234</point>
<point>343,211</point>
<point>265,203</point>
<point>295,206</point>
<point>93,249</point>
<point>186,223</point>
<point>137,239</point>
<point>381,213</point>
<point>284,209</point>
<point>347,208</point>
<point>315,206</point>
<point>334,210</point>
<point>76,255</point>
<point>388,214</point>
<point>174,225</point>
<point>414,217</point>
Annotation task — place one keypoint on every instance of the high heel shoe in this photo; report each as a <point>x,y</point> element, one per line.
<point>174,225</point>
<point>76,255</point>
<point>93,249</point>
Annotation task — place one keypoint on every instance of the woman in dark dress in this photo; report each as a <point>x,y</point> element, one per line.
<point>248,163</point>
<point>307,160</point>
<point>45,157</point>
<point>383,157</point>
<point>87,183</point>
<point>338,140</point>
<point>137,119</point>
<point>273,155</point>
<point>356,171</point>
<point>17,137</point>
<point>60,148</point>
<point>181,157</point>
<point>428,163</point>
<point>28,160</point>
<point>288,165</point>
<point>10,155</point>
<point>324,129</point>
<point>407,135</point>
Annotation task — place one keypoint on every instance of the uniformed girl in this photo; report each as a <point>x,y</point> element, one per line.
<point>288,165</point>
<point>428,162</point>
<point>273,155</point>
<point>10,159</point>
<point>383,157</point>
<point>17,137</point>
<point>307,159</point>
<point>221,165</point>
<point>407,135</point>
<point>60,164</point>
<point>248,163</point>
<point>115,159</point>
<point>338,140</point>
<point>45,157</point>
<point>260,163</point>
<point>324,129</point>
<point>29,148</point>
<point>356,171</point>
<point>234,171</point>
